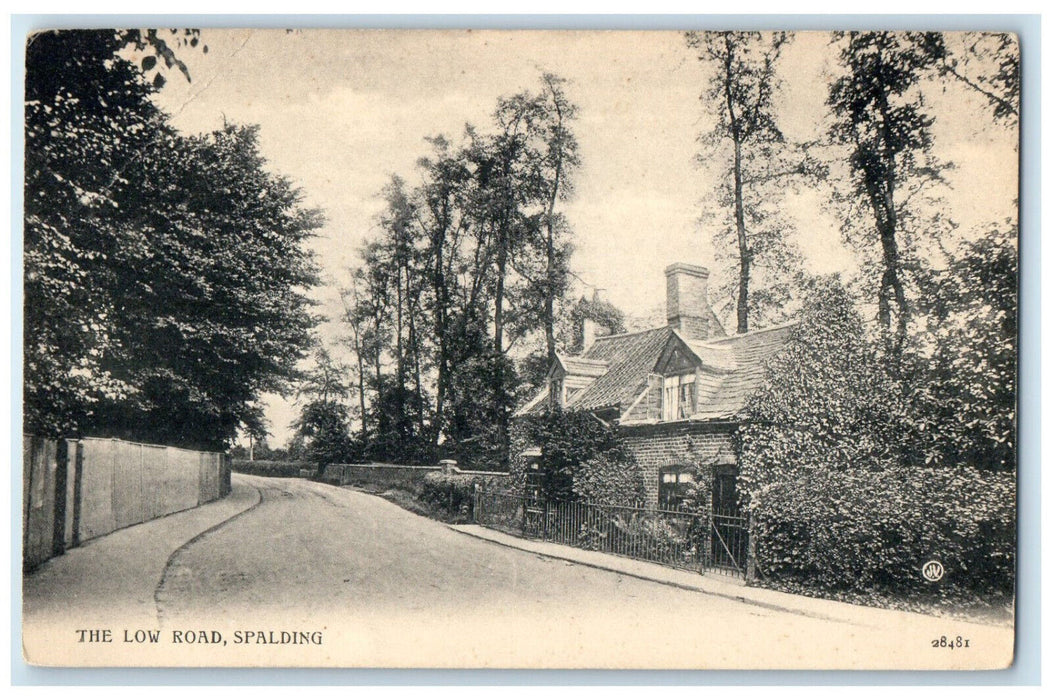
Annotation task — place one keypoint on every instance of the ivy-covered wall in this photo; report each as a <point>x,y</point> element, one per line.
<point>701,446</point>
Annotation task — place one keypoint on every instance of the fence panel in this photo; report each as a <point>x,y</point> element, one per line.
<point>40,463</point>
<point>127,483</point>
<point>211,465</point>
<point>667,536</point>
<point>96,507</point>
<point>69,526</point>
<point>184,472</point>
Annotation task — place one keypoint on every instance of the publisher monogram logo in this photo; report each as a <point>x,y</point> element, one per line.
<point>933,570</point>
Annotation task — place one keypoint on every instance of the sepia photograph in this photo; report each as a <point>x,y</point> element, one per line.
<point>520,349</point>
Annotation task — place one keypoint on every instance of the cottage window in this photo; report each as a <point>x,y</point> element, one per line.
<point>678,397</point>
<point>673,485</point>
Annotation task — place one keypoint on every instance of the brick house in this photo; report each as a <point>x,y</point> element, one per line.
<point>675,392</point>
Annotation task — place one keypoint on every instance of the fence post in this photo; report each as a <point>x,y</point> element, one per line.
<point>58,542</point>
<point>750,551</point>
<point>78,481</point>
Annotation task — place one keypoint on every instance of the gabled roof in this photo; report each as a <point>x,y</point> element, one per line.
<point>731,369</point>
<point>582,366</point>
<point>631,357</point>
<point>749,353</point>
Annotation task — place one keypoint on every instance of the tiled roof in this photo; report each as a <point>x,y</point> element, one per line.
<point>583,366</point>
<point>631,357</point>
<point>750,352</point>
<point>736,368</point>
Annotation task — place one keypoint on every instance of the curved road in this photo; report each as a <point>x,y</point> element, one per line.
<point>379,586</point>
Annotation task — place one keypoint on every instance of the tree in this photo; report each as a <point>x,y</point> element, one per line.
<point>147,317</point>
<point>999,87</point>
<point>742,86</point>
<point>322,429</point>
<point>559,160</point>
<point>881,118</point>
<point>827,401</point>
<point>965,401</point>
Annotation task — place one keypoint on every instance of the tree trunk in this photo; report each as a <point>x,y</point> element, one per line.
<point>735,129</point>
<point>743,244</point>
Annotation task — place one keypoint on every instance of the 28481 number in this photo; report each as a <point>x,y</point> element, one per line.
<point>945,642</point>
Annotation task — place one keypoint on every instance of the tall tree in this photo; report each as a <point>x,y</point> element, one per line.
<point>743,83</point>
<point>559,159</point>
<point>146,314</point>
<point>881,119</point>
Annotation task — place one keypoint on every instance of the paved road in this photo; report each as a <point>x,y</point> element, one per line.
<point>383,587</point>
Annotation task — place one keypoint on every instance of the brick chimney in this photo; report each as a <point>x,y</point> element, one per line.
<point>588,334</point>
<point>687,300</point>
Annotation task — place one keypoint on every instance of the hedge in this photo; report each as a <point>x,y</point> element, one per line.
<point>867,531</point>
<point>451,493</point>
<point>267,467</point>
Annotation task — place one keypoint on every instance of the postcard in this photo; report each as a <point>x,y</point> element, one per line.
<point>553,349</point>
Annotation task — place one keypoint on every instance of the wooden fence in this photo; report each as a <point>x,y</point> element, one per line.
<point>76,490</point>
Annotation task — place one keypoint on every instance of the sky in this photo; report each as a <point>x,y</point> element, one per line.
<point>341,111</point>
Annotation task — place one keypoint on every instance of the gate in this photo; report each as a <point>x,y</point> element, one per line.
<point>677,537</point>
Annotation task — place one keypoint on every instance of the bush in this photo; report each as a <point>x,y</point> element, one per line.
<point>870,531</point>
<point>581,458</point>
<point>451,493</point>
<point>612,479</point>
<point>268,467</point>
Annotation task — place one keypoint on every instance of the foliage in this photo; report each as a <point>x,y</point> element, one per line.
<point>324,431</point>
<point>966,356</point>
<point>146,316</point>
<point>451,493</point>
<point>867,530</point>
<point>832,445</point>
<point>581,458</point>
<point>610,477</point>
<point>272,467</point>
<point>828,400</point>
<point>465,277</point>
<point>751,236</point>
<point>881,118</point>
<point>1000,88</point>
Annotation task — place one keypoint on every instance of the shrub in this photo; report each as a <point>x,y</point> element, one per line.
<point>866,531</point>
<point>609,478</point>
<point>451,493</point>
<point>581,458</point>
<point>270,467</point>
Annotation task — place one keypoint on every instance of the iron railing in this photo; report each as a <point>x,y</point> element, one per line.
<point>672,536</point>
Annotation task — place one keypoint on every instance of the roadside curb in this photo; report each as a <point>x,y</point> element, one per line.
<point>158,604</point>
<point>653,579</point>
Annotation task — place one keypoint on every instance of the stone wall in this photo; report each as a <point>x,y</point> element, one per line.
<point>401,476</point>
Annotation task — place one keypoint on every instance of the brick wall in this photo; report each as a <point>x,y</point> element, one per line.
<point>661,445</point>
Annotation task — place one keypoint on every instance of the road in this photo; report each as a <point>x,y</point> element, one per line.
<point>380,587</point>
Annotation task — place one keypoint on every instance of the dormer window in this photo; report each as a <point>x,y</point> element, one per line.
<point>678,397</point>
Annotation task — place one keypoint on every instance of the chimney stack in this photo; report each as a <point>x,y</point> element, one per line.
<point>587,334</point>
<point>687,300</point>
